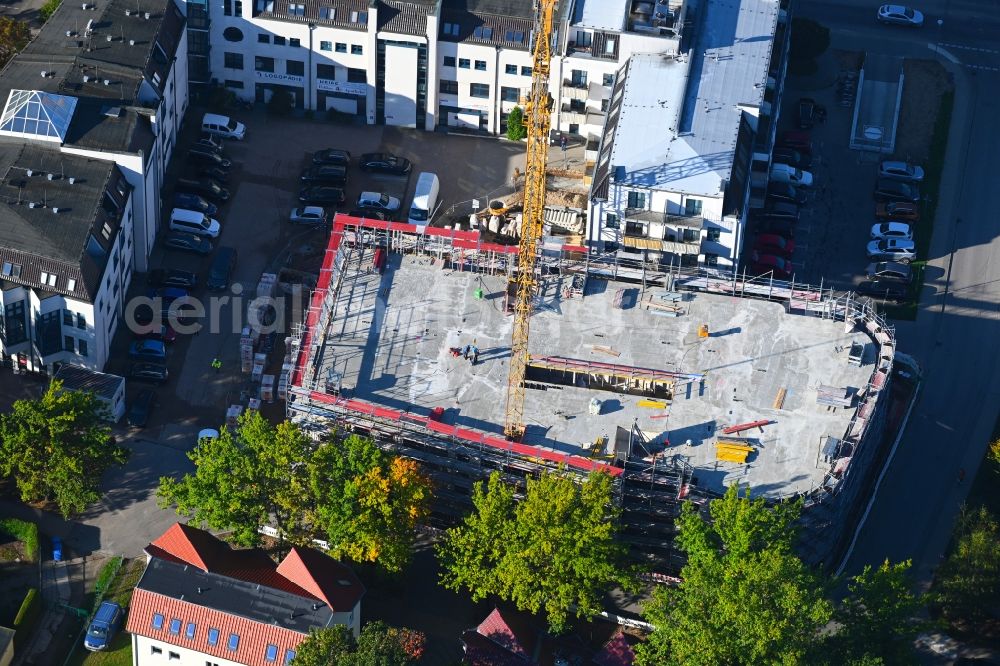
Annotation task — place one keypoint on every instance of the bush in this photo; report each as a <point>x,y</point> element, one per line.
<point>48,9</point>
<point>515,125</point>
<point>104,578</point>
<point>809,39</point>
<point>24,531</point>
<point>27,617</point>
<point>281,103</point>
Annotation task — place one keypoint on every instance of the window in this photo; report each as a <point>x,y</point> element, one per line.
<point>579,78</point>
<point>525,71</point>
<point>359,17</point>
<point>584,39</point>
<point>294,42</point>
<point>81,322</point>
<point>480,90</point>
<point>483,32</point>
<point>604,105</point>
<point>271,653</point>
<point>509,94</point>
<point>610,221</point>
<point>295,68</point>
<point>233,643</point>
<point>295,9</point>
<point>480,65</point>
<point>609,46</point>
<point>45,277</point>
<point>230,83</point>
<point>232,34</point>
<point>326,46</point>
<point>81,347</point>
<point>515,36</point>
<point>450,29</point>
<point>189,630</point>
<point>232,60</point>
<point>14,324</point>
<point>262,64</point>
<point>328,13</point>
<point>227,8</point>
<point>608,80</point>
<point>67,318</point>
<point>714,234</point>
<point>448,87</point>
<point>279,41</point>
<point>175,626</point>
<point>356,75</point>
<point>449,61</point>
<point>636,199</point>
<point>356,49</point>
<point>341,48</point>
<point>12,270</point>
<point>171,656</point>
<point>213,636</point>
<point>464,63</point>
<point>68,343</point>
<point>289,655</point>
<point>263,38</point>
<point>577,106</point>
<point>70,284</point>
<point>692,207</point>
<point>155,650</point>
<point>328,72</point>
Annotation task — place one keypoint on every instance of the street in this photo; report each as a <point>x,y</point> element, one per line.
<point>953,337</point>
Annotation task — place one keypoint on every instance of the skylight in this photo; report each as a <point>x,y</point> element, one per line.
<point>37,115</point>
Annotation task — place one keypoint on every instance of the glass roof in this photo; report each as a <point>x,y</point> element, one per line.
<point>37,115</point>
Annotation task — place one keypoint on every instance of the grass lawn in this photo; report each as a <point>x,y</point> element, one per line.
<point>120,590</point>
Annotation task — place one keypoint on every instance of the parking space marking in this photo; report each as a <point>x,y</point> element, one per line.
<point>969,48</point>
<point>983,67</point>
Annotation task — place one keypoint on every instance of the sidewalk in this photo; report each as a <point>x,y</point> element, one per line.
<point>62,585</point>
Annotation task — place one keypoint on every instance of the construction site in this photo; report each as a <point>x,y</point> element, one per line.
<point>678,383</point>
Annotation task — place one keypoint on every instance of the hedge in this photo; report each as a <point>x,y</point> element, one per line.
<point>27,617</point>
<point>25,531</point>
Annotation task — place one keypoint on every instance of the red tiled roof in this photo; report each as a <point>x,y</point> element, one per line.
<point>190,545</point>
<point>322,577</point>
<point>254,636</point>
<point>481,651</point>
<point>617,651</point>
<point>508,633</point>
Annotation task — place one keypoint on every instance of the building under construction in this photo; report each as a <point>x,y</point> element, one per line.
<point>679,383</point>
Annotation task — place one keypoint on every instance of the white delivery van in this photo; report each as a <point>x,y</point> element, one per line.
<point>193,222</point>
<point>224,126</point>
<point>424,198</point>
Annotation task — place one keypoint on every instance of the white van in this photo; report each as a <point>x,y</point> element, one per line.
<point>224,126</point>
<point>783,173</point>
<point>193,222</point>
<point>425,198</point>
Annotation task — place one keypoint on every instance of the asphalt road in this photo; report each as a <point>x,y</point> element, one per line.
<point>954,336</point>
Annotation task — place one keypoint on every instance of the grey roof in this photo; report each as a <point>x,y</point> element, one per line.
<point>250,600</point>
<point>695,104</point>
<point>76,378</point>
<point>505,20</point>
<point>600,14</point>
<point>405,18</point>
<point>340,16</point>
<point>515,8</point>
<point>54,226</point>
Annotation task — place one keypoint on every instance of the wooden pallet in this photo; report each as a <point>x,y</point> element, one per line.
<point>734,452</point>
<point>605,350</point>
<point>653,404</point>
<point>779,399</point>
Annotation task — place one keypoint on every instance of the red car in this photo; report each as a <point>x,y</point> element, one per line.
<point>769,263</point>
<point>774,244</point>
<point>898,210</point>
<point>151,332</point>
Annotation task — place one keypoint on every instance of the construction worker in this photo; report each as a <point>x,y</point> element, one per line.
<point>217,364</point>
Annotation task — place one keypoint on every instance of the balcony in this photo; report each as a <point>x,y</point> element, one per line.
<point>574,90</point>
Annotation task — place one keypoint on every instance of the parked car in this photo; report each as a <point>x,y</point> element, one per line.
<point>151,331</point>
<point>107,620</point>
<point>203,186</point>
<point>332,156</point>
<point>785,192</point>
<point>171,277</point>
<point>329,174</point>
<point>899,15</point>
<point>774,244</point>
<point>796,140</point>
<point>783,226</point>
<point>220,273</point>
<point>208,157</point>
<point>898,210</point>
<point>370,213</point>
<point>149,372</point>
<point>893,249</point>
<point>308,215</point>
<point>215,173</point>
<point>791,157</point>
<point>176,240</point>
<point>378,201</point>
<point>769,263</point>
<point>138,413</point>
<point>209,142</point>
<point>223,126</point>
<point>384,163</point>
<point>195,202</point>
<point>781,209</point>
<point>887,290</point>
<point>892,230</point>
<point>167,293</point>
<point>148,350</point>
<point>785,173</point>
<point>322,194</point>
<point>889,270</point>
<point>895,190</point>
<point>904,171</point>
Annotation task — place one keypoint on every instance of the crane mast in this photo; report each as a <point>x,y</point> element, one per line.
<point>538,118</point>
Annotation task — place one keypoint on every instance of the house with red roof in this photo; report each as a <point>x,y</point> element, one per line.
<point>200,602</point>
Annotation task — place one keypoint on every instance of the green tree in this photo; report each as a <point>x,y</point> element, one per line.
<point>57,447</point>
<point>554,552</point>
<point>14,36</point>
<point>368,502</point>
<point>515,124</point>
<point>746,598</point>
<point>246,477</point>
<point>324,647</point>
<point>967,585</point>
<point>879,617</point>
<point>378,645</point>
<point>48,9</point>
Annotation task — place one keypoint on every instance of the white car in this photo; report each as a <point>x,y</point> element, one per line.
<point>901,171</point>
<point>783,173</point>
<point>892,230</point>
<point>308,215</point>
<point>893,249</point>
<point>378,200</point>
<point>900,15</point>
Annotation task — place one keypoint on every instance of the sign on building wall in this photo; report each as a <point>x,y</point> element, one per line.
<point>276,77</point>
<point>329,85</point>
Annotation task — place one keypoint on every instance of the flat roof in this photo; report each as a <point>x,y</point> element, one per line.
<point>76,378</point>
<point>876,113</point>
<point>600,14</point>
<point>391,335</point>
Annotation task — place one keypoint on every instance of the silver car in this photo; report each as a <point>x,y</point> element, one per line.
<point>892,229</point>
<point>904,171</point>
<point>893,249</point>
<point>900,15</point>
<point>308,215</point>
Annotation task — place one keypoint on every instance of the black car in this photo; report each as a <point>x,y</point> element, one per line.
<point>887,290</point>
<point>210,143</point>
<point>783,226</point>
<point>149,372</point>
<point>370,213</point>
<point>384,163</point>
<point>780,209</point>
<point>895,190</point>
<point>328,174</point>
<point>889,270</point>
<point>791,157</point>
<point>208,157</point>
<point>196,203</point>
<point>332,156</point>
<point>322,195</point>
<point>204,186</point>
<point>176,240</point>
<point>172,277</point>
<point>785,192</point>
<point>138,413</point>
<point>215,173</point>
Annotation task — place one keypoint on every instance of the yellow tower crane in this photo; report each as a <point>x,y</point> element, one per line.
<point>537,116</point>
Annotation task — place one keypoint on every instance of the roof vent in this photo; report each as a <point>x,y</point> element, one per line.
<point>69,33</point>
<point>109,38</point>
<point>84,6</point>
<point>128,12</point>
<point>86,78</point>
<point>147,16</point>
<point>90,25</point>
<point>107,82</point>
<point>71,180</point>
<point>131,42</point>
<point>32,204</point>
<point>45,74</point>
<point>51,176</point>
<point>200,589</point>
<point>29,173</point>
<point>55,209</point>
